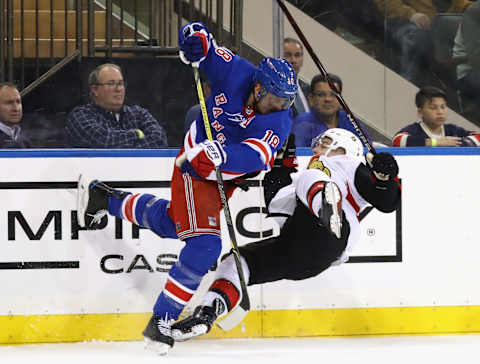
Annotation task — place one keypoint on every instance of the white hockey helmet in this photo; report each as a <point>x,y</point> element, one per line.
<point>341,138</point>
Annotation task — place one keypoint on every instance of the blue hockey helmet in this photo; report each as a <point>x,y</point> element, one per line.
<point>277,76</point>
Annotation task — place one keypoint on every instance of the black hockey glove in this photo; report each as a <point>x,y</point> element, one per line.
<point>279,177</point>
<point>383,165</point>
<point>286,155</point>
<point>274,180</point>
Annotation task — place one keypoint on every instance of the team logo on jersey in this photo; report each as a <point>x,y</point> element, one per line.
<point>241,118</point>
<point>220,99</point>
<point>248,111</point>
<point>212,221</point>
<point>217,111</point>
<point>315,163</point>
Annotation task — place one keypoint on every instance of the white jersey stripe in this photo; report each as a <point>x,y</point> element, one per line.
<point>181,286</point>
<point>174,297</point>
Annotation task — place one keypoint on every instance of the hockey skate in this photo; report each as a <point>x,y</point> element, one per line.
<point>158,335</point>
<point>92,202</point>
<point>199,323</point>
<point>330,214</point>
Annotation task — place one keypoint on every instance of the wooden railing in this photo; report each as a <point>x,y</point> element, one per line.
<point>39,37</point>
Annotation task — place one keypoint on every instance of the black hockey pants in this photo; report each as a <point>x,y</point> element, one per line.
<point>302,250</point>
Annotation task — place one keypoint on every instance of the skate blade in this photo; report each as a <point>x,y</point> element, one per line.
<point>156,347</point>
<point>333,197</point>
<point>197,330</point>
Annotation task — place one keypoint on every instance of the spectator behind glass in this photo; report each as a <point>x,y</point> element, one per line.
<point>467,47</point>
<point>431,129</point>
<point>11,134</point>
<point>107,122</point>
<point>195,111</point>
<point>409,29</point>
<point>325,112</point>
<point>293,53</point>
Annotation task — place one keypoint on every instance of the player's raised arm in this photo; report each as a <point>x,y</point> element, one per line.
<point>198,48</point>
<point>377,181</point>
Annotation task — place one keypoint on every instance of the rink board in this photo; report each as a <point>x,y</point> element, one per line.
<point>412,271</point>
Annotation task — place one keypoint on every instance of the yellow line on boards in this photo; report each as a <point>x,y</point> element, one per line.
<point>372,321</point>
<point>268,323</point>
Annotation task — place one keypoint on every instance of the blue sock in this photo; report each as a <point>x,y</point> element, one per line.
<point>196,258</point>
<point>145,210</point>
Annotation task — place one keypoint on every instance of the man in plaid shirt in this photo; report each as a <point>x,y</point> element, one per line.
<point>106,122</point>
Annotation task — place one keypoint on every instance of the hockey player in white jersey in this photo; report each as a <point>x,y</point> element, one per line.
<point>317,209</point>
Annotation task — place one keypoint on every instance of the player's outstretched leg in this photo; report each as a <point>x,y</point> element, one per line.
<point>92,202</point>
<point>158,336</point>
<point>330,214</point>
<point>199,323</point>
<point>95,199</point>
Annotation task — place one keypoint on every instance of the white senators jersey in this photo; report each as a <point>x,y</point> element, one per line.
<point>339,169</point>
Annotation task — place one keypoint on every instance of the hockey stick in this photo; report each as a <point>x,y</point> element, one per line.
<point>241,310</point>
<point>324,73</point>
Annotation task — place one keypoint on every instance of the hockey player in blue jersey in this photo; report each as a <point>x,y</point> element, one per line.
<point>250,117</point>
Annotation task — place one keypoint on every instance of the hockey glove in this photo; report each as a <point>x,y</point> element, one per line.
<point>201,161</point>
<point>286,155</point>
<point>194,41</point>
<point>383,165</point>
<point>275,180</point>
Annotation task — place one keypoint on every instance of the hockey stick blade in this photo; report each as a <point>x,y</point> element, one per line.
<point>233,319</point>
<point>241,310</point>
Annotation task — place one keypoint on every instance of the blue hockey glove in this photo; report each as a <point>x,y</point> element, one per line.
<point>194,41</point>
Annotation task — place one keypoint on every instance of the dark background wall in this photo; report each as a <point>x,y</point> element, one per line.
<point>164,86</point>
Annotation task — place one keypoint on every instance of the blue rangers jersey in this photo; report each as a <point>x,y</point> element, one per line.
<point>250,140</point>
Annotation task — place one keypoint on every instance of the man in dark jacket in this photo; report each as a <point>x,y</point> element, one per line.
<point>107,122</point>
<point>11,134</point>
<point>293,53</point>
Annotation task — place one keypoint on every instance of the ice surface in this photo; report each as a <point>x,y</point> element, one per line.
<point>370,350</point>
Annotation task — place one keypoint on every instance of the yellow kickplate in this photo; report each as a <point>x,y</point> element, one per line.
<point>109,327</point>
<point>372,321</point>
<point>273,323</point>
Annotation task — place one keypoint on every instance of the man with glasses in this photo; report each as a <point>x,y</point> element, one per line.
<point>326,112</point>
<point>107,122</point>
